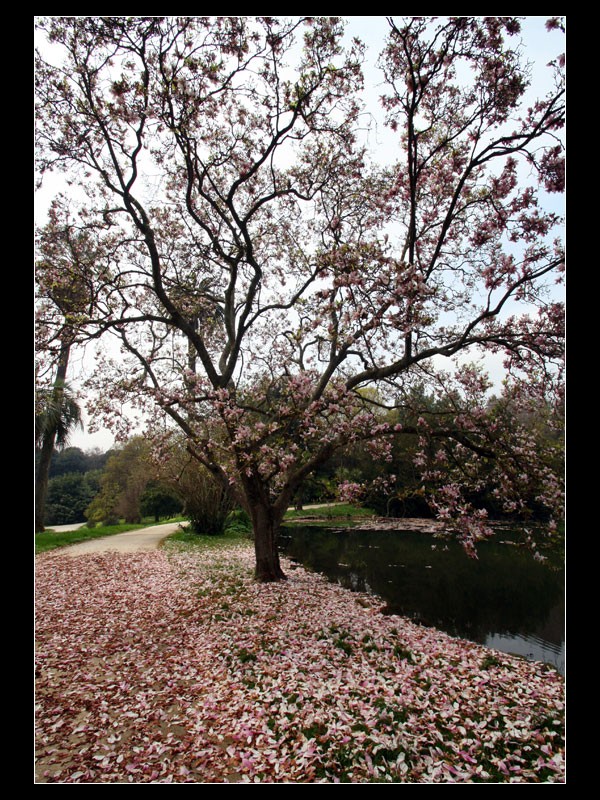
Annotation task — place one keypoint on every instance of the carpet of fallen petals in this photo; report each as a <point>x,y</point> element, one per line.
<point>176,667</point>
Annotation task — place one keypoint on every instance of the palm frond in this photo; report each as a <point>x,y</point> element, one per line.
<point>58,413</point>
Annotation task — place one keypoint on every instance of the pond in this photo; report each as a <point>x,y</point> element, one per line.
<point>505,599</point>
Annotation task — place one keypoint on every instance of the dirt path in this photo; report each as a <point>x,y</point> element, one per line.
<point>129,542</point>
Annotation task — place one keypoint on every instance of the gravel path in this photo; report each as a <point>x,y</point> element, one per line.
<point>143,539</point>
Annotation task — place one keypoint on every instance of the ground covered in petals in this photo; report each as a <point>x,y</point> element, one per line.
<point>176,667</point>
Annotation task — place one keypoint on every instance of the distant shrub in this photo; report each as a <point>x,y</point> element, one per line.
<point>207,504</point>
<point>238,521</point>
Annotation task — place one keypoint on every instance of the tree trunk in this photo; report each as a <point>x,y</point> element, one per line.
<point>265,524</point>
<point>299,500</point>
<point>49,440</point>
<point>41,483</point>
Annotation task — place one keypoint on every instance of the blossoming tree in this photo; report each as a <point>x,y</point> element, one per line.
<point>260,270</point>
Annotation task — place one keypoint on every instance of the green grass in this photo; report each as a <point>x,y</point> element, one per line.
<point>205,541</point>
<point>50,540</point>
<point>341,512</point>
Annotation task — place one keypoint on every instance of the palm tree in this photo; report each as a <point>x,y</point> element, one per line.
<point>57,414</point>
<point>67,256</point>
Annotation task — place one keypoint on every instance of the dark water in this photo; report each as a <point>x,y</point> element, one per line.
<point>505,599</point>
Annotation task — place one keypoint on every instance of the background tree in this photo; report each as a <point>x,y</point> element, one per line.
<point>69,494</point>
<point>204,500</point>
<point>57,414</point>
<point>66,259</point>
<point>272,272</point>
<point>160,501</point>
<point>122,485</point>
<point>74,459</point>
<point>68,460</point>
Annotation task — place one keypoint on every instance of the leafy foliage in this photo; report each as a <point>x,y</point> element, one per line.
<point>69,495</point>
<point>159,501</point>
<point>74,459</point>
<point>206,502</point>
<point>57,412</point>
<point>122,485</point>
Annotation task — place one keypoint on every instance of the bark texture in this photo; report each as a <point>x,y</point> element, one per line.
<point>265,524</point>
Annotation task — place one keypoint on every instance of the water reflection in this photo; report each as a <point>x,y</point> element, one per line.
<point>505,599</point>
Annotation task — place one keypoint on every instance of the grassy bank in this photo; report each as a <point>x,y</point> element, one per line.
<point>196,542</point>
<point>329,514</point>
<point>50,540</point>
